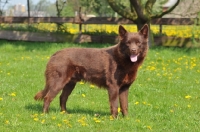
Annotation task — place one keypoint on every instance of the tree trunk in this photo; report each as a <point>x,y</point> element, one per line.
<point>151,38</point>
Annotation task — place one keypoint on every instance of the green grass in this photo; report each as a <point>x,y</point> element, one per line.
<point>164,97</point>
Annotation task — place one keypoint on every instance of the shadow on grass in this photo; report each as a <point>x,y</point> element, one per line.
<point>87,111</point>
<point>37,108</point>
<point>78,110</point>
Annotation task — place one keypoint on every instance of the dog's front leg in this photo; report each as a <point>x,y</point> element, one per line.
<point>123,97</point>
<point>113,93</point>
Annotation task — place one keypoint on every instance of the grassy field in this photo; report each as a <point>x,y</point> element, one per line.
<point>164,97</point>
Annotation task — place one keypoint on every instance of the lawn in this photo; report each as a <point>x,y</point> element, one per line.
<point>164,97</point>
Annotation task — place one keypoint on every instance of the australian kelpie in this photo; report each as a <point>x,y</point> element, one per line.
<point>114,68</point>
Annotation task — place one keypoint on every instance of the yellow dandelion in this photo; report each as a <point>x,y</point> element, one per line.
<point>82,121</point>
<point>138,120</point>
<point>97,121</point>
<point>187,96</point>
<point>111,118</point>
<point>13,94</point>
<point>189,106</point>
<point>1,99</point>
<point>65,121</point>
<point>152,68</point>
<point>43,121</point>
<point>7,122</point>
<point>84,124</point>
<point>53,117</point>
<point>59,125</point>
<point>69,125</point>
<point>62,112</point>
<point>81,83</point>
<point>119,109</point>
<point>149,127</point>
<point>149,104</point>
<point>136,103</point>
<point>92,86</point>
<point>144,103</point>
<point>35,119</point>
<point>83,95</point>
<point>35,115</point>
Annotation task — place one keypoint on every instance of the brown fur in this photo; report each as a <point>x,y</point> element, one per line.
<point>110,68</point>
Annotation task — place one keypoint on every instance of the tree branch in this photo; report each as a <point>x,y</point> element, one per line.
<point>149,7</point>
<point>138,8</point>
<point>167,11</point>
<point>121,10</point>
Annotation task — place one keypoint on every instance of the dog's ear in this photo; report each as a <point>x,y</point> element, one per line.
<point>144,31</point>
<point>122,32</point>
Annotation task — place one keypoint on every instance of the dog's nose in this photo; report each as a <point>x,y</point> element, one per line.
<point>133,50</point>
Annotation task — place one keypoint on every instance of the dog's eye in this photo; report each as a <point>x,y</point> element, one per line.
<point>137,42</point>
<point>128,42</point>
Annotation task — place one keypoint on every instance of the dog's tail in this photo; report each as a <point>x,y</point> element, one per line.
<point>41,94</point>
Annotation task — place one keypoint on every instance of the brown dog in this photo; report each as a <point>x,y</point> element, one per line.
<point>114,68</point>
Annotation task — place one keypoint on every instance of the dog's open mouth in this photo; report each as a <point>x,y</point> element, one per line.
<point>134,58</point>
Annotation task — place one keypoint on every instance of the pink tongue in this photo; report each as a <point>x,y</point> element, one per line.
<point>133,58</point>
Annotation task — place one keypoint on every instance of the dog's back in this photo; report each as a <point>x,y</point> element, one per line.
<point>89,64</point>
<point>113,68</point>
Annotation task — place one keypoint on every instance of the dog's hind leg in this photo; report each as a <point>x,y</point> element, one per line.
<point>65,94</point>
<point>54,88</point>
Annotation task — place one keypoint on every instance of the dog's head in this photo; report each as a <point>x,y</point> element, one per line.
<point>134,45</point>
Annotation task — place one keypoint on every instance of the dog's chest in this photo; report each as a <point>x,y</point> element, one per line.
<point>129,78</point>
